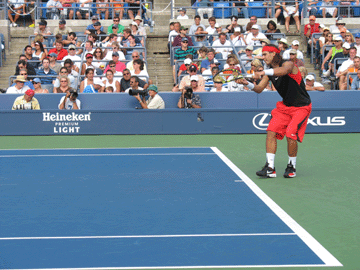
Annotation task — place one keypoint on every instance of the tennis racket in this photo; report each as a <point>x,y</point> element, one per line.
<point>227,75</point>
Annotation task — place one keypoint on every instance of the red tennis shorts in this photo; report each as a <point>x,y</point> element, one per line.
<point>289,121</point>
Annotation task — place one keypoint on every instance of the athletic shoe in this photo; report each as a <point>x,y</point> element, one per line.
<point>266,172</point>
<point>326,74</point>
<point>32,25</point>
<point>15,25</point>
<point>290,171</point>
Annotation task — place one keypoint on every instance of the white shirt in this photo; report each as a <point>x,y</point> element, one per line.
<point>172,33</point>
<point>299,55</point>
<point>224,51</point>
<point>109,55</point>
<point>69,104</point>
<point>185,17</point>
<point>345,65</point>
<point>14,90</point>
<point>250,36</point>
<point>72,58</point>
<point>155,102</point>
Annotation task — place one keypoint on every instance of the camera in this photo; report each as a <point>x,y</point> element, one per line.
<point>189,93</point>
<point>134,92</point>
<point>73,93</point>
<point>26,106</point>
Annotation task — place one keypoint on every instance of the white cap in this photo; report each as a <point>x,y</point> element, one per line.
<point>249,47</point>
<point>283,40</point>
<point>215,61</point>
<point>310,77</point>
<point>237,29</point>
<point>346,46</point>
<point>339,38</point>
<point>194,78</point>
<point>217,25</point>
<point>322,25</point>
<point>187,61</point>
<point>295,42</point>
<point>255,26</point>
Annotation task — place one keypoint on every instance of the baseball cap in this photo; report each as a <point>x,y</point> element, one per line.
<point>255,26</point>
<point>295,42</point>
<point>193,68</point>
<point>249,47</point>
<point>53,54</point>
<point>187,61</point>
<point>30,92</point>
<point>94,17</point>
<point>153,87</point>
<point>97,24</point>
<point>283,40</point>
<point>326,28</point>
<point>357,35</point>
<point>89,55</point>
<point>183,28</point>
<point>194,78</point>
<point>182,9</point>
<point>216,62</point>
<point>72,46</point>
<point>37,80</point>
<point>62,22</point>
<point>138,18</point>
<point>338,38</point>
<point>217,25</point>
<point>346,46</point>
<point>293,51</point>
<point>310,77</point>
<point>115,54</point>
<point>184,39</point>
<point>237,29</point>
<point>322,25</point>
<point>265,40</point>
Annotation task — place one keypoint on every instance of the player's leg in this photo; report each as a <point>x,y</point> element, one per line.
<point>290,171</point>
<point>271,145</point>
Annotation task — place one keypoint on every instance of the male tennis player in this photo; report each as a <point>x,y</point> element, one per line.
<point>289,118</point>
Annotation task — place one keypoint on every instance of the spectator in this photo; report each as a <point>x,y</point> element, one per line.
<point>44,30</point>
<point>184,68</point>
<point>53,9</point>
<point>357,43</point>
<point>68,10</point>
<point>84,11</point>
<point>98,61</point>
<point>309,29</point>
<point>283,46</point>
<point>134,8</point>
<point>125,39</point>
<point>62,28</point>
<point>115,27</point>
<point>182,15</point>
<point>291,9</point>
<point>255,65</point>
<point>294,45</point>
<point>187,98</point>
<point>174,33</point>
<point>120,66</point>
<point>90,81</point>
<point>182,34</point>
<point>100,35</point>
<point>70,101</point>
<point>197,23</point>
<point>19,87</point>
<point>209,62</point>
<point>118,6</point>
<point>134,29</point>
<point>109,89</point>
<point>327,66</point>
<point>71,39</point>
<point>54,65</point>
<point>222,46</point>
<point>59,50</point>
<point>23,72</point>
<point>110,39</point>
<point>141,28</point>
<point>28,52</point>
<point>186,81</point>
<point>130,65</point>
<point>181,53</point>
<point>102,9</point>
<point>200,37</point>
<point>26,102</point>
<point>64,85</point>
<point>328,8</point>
<point>154,101</point>
<point>89,48</point>
<point>238,38</point>
<point>110,81</point>
<point>241,8</point>
<point>74,58</point>
<point>253,21</point>
<point>304,73</point>
<point>248,57</point>
<point>88,64</point>
<point>64,72</point>
<point>218,28</point>
<point>349,40</point>
<point>39,52</point>
<point>22,63</point>
<point>131,44</point>
<point>94,19</point>
<point>232,63</point>
<point>236,86</point>
<point>211,30</point>
<point>117,74</point>
<point>311,85</point>
<point>47,75</point>
<point>293,58</point>
<point>339,24</point>
<point>254,37</point>
<point>115,49</point>
<point>72,69</point>
<point>18,8</point>
<point>355,85</point>
<point>134,84</point>
<point>258,51</point>
<point>350,65</point>
<point>271,28</point>
<point>202,54</point>
<point>139,70</point>
<point>38,88</point>
<point>231,27</point>
<point>125,81</point>
<point>219,86</point>
<point>205,7</point>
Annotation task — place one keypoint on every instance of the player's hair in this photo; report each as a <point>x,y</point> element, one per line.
<point>277,57</point>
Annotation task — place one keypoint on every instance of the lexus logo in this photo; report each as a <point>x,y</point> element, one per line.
<point>261,121</point>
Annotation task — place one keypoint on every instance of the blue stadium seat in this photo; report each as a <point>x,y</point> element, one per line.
<point>258,12</point>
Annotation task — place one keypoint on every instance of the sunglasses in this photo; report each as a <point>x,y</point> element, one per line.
<point>63,72</point>
<point>35,82</point>
<point>89,57</point>
<point>23,74</point>
<point>116,20</point>
<point>63,81</point>
<point>125,74</point>
<point>112,66</point>
<point>184,41</point>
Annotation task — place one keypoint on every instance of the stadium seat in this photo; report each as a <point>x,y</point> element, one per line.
<point>258,12</point>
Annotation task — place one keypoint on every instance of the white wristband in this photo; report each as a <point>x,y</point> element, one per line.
<point>250,86</point>
<point>269,72</point>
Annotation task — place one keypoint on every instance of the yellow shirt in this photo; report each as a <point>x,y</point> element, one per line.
<point>21,101</point>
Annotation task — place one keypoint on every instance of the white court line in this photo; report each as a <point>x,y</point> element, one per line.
<point>110,148</point>
<point>104,155</point>
<point>310,241</point>
<point>144,236</point>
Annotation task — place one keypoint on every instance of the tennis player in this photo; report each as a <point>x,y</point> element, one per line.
<point>290,116</point>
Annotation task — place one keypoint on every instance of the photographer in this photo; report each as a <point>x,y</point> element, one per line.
<point>188,99</point>
<point>154,101</point>
<point>134,84</point>
<point>26,102</point>
<point>70,101</point>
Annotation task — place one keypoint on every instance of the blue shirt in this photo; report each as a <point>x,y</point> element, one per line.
<point>91,27</point>
<point>50,76</point>
<point>355,85</point>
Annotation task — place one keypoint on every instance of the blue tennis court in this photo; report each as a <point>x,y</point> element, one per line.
<point>142,208</point>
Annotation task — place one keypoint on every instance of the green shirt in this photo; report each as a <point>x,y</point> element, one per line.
<point>120,29</point>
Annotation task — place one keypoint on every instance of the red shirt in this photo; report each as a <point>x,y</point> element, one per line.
<point>313,28</point>
<point>60,55</point>
<point>120,66</point>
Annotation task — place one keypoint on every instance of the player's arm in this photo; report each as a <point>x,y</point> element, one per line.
<point>258,88</point>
